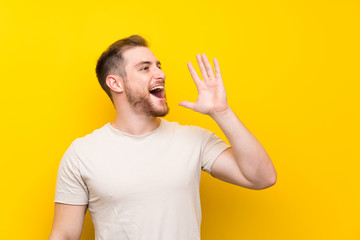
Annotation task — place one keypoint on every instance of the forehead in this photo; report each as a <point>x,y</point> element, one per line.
<point>135,55</point>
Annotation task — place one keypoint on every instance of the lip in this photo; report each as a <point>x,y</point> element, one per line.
<point>157,85</point>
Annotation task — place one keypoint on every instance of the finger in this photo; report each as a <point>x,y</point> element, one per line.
<point>217,69</point>
<point>202,67</point>
<point>189,105</point>
<point>209,69</point>
<point>193,73</point>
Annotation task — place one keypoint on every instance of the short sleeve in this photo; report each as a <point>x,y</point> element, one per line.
<point>212,146</point>
<point>70,186</point>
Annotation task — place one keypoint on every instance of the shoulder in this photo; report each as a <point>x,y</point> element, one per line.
<point>91,140</point>
<point>191,130</point>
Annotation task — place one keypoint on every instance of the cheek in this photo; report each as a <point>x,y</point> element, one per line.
<point>139,82</point>
<point>139,79</point>
<point>139,89</point>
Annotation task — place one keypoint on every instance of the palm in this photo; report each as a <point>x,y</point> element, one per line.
<point>211,92</point>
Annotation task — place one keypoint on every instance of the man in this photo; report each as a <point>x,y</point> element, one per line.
<point>139,176</point>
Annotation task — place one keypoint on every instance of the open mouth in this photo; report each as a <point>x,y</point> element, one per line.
<point>158,91</point>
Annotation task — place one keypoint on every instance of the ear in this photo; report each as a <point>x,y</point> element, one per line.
<point>115,83</point>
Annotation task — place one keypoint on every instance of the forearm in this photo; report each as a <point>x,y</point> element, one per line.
<point>252,158</point>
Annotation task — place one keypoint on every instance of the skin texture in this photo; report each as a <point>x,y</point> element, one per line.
<point>68,221</point>
<point>245,164</point>
<point>142,73</point>
<point>139,98</point>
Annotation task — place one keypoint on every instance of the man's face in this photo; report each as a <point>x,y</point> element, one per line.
<point>144,83</point>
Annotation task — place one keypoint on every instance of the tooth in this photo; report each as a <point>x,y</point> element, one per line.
<point>157,87</point>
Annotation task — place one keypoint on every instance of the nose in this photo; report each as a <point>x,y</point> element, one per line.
<point>159,74</point>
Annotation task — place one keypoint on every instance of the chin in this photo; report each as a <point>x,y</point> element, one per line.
<point>159,113</point>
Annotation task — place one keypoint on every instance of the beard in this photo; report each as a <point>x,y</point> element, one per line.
<point>141,101</point>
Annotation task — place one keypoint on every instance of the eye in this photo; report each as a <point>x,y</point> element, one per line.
<point>144,68</point>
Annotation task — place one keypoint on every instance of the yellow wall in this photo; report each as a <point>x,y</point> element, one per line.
<point>291,70</point>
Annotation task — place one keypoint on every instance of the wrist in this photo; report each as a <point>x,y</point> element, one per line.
<point>223,114</point>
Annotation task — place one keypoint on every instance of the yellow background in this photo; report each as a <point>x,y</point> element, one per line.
<point>291,70</point>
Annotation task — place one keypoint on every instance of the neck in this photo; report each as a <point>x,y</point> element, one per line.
<point>135,124</point>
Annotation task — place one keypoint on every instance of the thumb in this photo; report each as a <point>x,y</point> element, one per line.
<point>187,104</point>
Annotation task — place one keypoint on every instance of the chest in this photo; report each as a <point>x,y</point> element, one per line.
<point>142,171</point>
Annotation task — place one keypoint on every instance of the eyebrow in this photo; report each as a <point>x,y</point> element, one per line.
<point>147,62</point>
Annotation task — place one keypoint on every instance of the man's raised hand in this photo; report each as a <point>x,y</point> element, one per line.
<point>211,92</point>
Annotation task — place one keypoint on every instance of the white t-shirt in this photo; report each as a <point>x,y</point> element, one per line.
<point>139,187</point>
